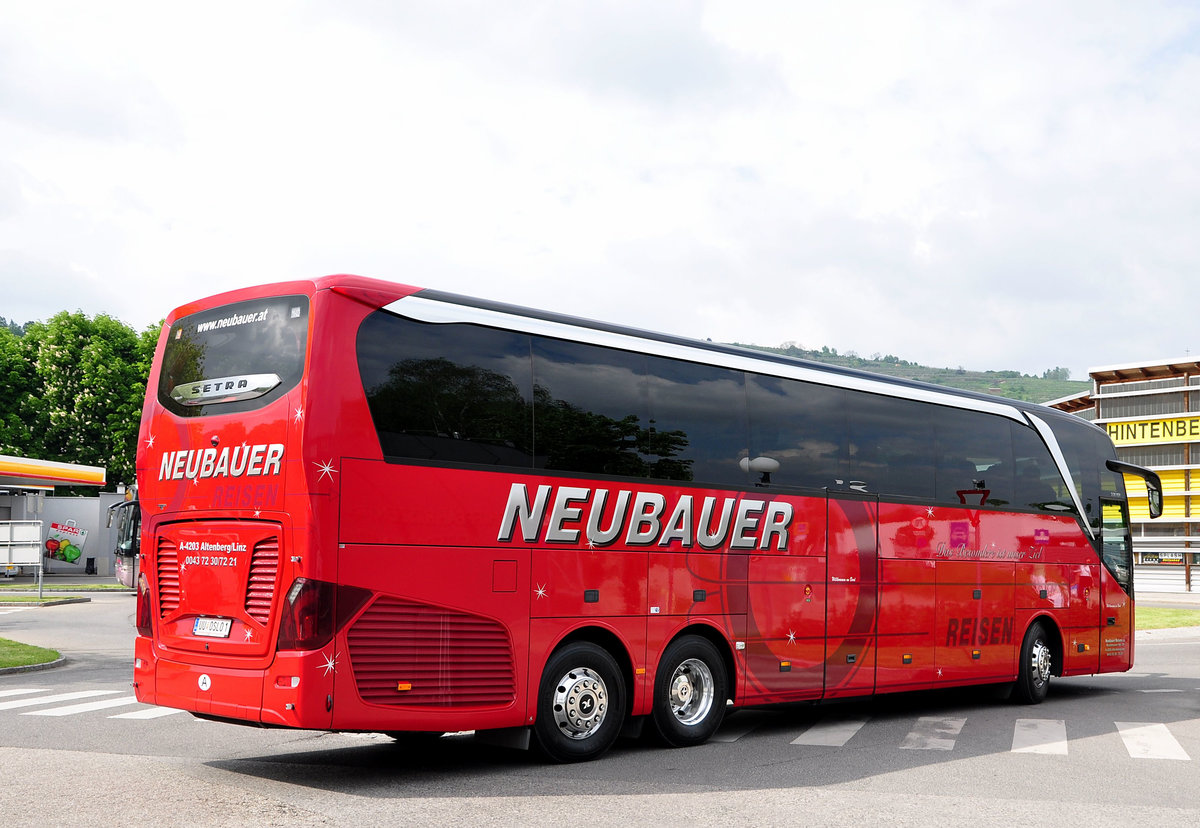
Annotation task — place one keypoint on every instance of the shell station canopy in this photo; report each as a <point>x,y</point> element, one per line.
<point>25,474</point>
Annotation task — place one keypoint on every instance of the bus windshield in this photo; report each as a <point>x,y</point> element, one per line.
<point>234,358</point>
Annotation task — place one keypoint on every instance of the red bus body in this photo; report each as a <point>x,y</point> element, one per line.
<point>293,576</point>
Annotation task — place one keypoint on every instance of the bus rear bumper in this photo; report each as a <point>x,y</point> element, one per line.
<point>274,696</point>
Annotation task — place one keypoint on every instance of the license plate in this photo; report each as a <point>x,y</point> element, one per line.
<point>212,627</point>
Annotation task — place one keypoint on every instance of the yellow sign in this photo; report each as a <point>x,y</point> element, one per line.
<point>1141,432</point>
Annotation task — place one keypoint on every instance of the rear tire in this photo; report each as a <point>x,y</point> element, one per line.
<point>581,703</point>
<point>690,689</point>
<point>1035,667</point>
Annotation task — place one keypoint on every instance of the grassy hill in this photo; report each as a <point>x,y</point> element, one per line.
<point>1011,384</point>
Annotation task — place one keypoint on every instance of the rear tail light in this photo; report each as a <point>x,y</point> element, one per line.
<point>308,619</point>
<point>143,607</point>
<point>307,622</point>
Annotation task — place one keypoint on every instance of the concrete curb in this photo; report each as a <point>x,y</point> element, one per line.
<point>34,668</point>
<point>1167,632</point>
<point>45,602</point>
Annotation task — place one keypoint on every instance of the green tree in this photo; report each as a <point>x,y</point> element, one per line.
<point>18,380</point>
<point>12,327</point>
<point>90,381</point>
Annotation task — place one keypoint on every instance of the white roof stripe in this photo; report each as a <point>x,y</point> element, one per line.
<point>424,309</point>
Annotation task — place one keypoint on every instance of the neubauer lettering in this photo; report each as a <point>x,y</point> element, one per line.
<point>259,460</point>
<point>601,517</point>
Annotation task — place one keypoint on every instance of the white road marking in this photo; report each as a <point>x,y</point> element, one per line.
<point>831,732</point>
<point>731,733</point>
<point>1146,740</point>
<point>61,697</point>
<point>933,733</point>
<point>85,707</point>
<point>1040,736</point>
<point>149,713</point>
<point>23,691</point>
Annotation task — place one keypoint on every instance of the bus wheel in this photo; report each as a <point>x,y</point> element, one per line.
<point>1035,667</point>
<point>689,692</point>
<point>581,703</point>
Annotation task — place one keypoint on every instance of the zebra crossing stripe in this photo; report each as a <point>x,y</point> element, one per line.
<point>1146,740</point>
<point>831,732</point>
<point>1040,736</point>
<point>61,697</point>
<point>23,691</point>
<point>933,733</point>
<point>729,733</point>
<point>149,713</point>
<point>84,707</point>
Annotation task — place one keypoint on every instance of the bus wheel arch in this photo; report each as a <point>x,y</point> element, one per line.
<point>583,697</point>
<point>691,687</point>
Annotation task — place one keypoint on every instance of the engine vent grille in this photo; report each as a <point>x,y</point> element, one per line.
<point>260,586</point>
<point>167,562</point>
<point>408,654</point>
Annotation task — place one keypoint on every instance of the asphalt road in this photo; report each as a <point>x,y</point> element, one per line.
<point>76,749</point>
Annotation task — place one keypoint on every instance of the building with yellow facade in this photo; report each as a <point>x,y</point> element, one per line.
<point>1152,413</point>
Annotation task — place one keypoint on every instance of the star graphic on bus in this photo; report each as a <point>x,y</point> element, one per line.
<point>791,636</point>
<point>258,513</point>
<point>929,512</point>
<point>330,664</point>
<point>150,442</point>
<point>299,414</point>
<point>326,468</point>
<point>540,591</point>
<point>249,634</point>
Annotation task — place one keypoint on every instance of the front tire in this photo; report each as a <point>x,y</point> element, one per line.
<point>1035,667</point>
<point>690,689</point>
<point>581,703</point>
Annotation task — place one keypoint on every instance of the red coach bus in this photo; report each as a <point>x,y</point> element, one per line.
<point>378,508</point>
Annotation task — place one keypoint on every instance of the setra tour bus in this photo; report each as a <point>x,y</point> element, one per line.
<point>372,507</point>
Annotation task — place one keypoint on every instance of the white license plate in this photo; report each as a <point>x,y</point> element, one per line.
<point>212,627</point>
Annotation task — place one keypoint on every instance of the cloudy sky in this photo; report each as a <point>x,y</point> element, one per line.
<point>997,185</point>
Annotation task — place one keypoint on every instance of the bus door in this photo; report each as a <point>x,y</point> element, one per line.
<point>1116,577</point>
<point>852,590</point>
<point>785,611</point>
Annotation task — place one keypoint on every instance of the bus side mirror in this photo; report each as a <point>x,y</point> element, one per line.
<point>1154,492</point>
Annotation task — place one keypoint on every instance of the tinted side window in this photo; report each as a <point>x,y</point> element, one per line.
<point>590,409</point>
<point>453,393</point>
<point>891,445</point>
<point>974,458</point>
<point>1080,447</point>
<point>1116,546</point>
<point>801,427</point>
<point>698,429</point>
<point>1037,483</point>
<point>1112,484</point>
